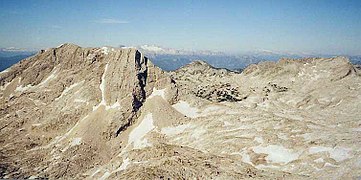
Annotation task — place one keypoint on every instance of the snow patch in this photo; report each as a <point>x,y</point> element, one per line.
<point>137,135</point>
<point>33,177</point>
<point>198,133</point>
<point>318,149</point>
<point>329,165</point>
<point>50,77</point>
<point>277,154</point>
<point>80,100</point>
<point>98,170</point>
<point>156,92</point>
<point>102,89</point>
<point>338,154</point>
<point>259,140</point>
<point>170,131</point>
<point>4,87</point>
<point>319,160</point>
<point>66,90</point>
<point>116,105</point>
<point>105,50</point>
<point>184,108</point>
<point>36,125</point>
<point>23,88</point>
<point>124,165</point>
<point>102,85</point>
<point>75,142</point>
<point>245,156</point>
<point>60,138</point>
<point>72,129</point>
<point>105,175</point>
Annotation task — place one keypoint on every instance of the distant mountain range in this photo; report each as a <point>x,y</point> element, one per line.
<point>170,59</point>
<point>10,56</point>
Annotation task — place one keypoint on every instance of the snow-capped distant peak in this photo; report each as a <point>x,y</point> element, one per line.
<point>13,49</point>
<point>152,48</point>
<point>266,51</point>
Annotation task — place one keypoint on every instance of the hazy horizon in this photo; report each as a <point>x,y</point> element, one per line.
<point>313,27</point>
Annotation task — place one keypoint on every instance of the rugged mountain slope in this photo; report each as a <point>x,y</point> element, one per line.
<point>296,116</point>
<point>97,113</point>
<point>70,96</point>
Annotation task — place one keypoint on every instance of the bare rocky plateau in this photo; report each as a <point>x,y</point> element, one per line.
<point>109,113</point>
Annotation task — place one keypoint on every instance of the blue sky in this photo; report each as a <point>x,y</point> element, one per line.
<point>311,26</point>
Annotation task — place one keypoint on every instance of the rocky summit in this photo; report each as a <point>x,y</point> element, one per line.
<point>109,113</point>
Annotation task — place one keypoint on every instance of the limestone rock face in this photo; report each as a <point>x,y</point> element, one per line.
<point>69,93</point>
<point>109,113</point>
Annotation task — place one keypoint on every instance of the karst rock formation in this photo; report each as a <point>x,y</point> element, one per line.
<point>109,113</point>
